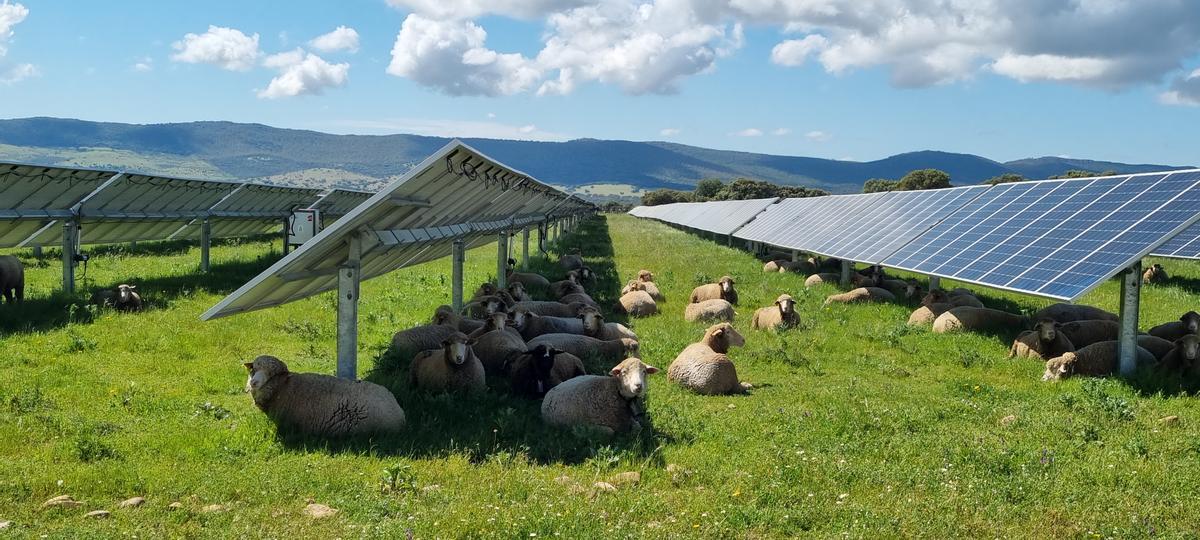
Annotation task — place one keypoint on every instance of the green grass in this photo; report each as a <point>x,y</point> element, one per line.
<point>860,426</point>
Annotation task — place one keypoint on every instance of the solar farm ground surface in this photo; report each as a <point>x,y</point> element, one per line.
<point>860,426</point>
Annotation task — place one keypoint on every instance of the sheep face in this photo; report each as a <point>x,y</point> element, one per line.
<point>1189,348</point>
<point>632,374</point>
<point>262,369</point>
<point>492,305</point>
<point>645,275</point>
<point>457,349</point>
<point>1047,330</point>
<point>586,273</point>
<point>592,319</point>
<point>726,283</point>
<point>1060,367</point>
<point>912,289</point>
<point>725,336</point>
<point>1191,321</point>
<point>636,285</point>
<point>519,318</point>
<point>631,346</point>
<point>498,320</point>
<point>125,293</point>
<point>512,264</point>
<point>786,304</point>
<point>487,289</point>
<point>543,360</point>
<point>936,296</point>
<point>443,315</point>
<point>516,289</point>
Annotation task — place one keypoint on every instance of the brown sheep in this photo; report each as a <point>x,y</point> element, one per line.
<point>861,294</point>
<point>445,316</point>
<point>925,315</point>
<point>594,326</point>
<point>1095,360</point>
<point>1074,312</point>
<point>1182,358</point>
<point>705,368</point>
<point>1043,342</point>
<point>647,279</point>
<point>517,291</point>
<point>567,286</point>
<point>968,319</point>
<point>528,279</point>
<point>715,310</point>
<point>1084,333</point>
<point>552,309</point>
<point>781,315</point>
<point>452,368</point>
<point>938,296</point>
<point>722,289</point>
<point>497,343</point>
<point>1154,274</point>
<point>571,261</point>
<point>907,289</point>
<point>833,278</point>
<point>1188,323</point>
<point>1157,346</point>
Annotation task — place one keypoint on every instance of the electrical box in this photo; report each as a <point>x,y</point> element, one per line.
<point>303,225</point>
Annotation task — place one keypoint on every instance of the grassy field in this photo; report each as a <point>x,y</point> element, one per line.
<point>859,426</point>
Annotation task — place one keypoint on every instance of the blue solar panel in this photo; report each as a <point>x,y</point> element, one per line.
<point>1056,238</point>
<point>1185,245</point>
<point>767,225</point>
<point>828,221</point>
<point>894,222</point>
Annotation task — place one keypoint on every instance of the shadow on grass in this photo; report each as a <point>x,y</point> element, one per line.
<point>1185,284</point>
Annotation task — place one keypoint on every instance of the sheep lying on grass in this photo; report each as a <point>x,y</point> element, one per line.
<point>709,311</point>
<point>833,278</point>
<point>529,279</point>
<point>532,325</point>
<point>938,296</point>
<point>551,309</point>
<point>607,351</point>
<point>122,298</point>
<point>582,298</point>
<point>1074,312</point>
<point>594,326</point>
<point>788,265</point>
<point>612,404</point>
<point>926,314</point>
<point>1084,333</point>
<point>421,338</point>
<point>452,368</point>
<point>647,280</point>
<point>722,289</point>
<point>1095,360</point>
<point>705,368</point>
<point>1182,358</point>
<point>12,279</point>
<point>1157,346</point>
<point>637,302</point>
<point>571,261</point>
<point>781,315</point>
<point>861,294</point>
<point>445,316</point>
<point>1154,274</point>
<point>497,343</point>
<point>541,369</point>
<point>907,289</point>
<point>321,405</point>
<point>517,291</point>
<point>484,306</point>
<point>567,286</point>
<point>1188,323</point>
<point>1043,342</point>
<point>971,319</point>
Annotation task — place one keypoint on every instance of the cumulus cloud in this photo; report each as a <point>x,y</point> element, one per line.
<point>143,65</point>
<point>18,73</point>
<point>669,132</point>
<point>470,9</point>
<point>302,73</point>
<point>748,132</point>
<point>450,56</point>
<point>341,39</point>
<point>1184,90</point>
<point>10,16</point>
<point>794,52</point>
<point>780,132</point>
<point>226,48</point>
<point>817,136</point>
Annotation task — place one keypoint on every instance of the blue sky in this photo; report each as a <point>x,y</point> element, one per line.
<point>837,79</point>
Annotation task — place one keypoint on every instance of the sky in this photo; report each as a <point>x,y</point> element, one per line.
<point>844,79</point>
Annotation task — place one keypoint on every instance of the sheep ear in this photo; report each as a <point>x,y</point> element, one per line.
<point>249,366</point>
<point>719,331</point>
<point>615,372</point>
<point>651,369</point>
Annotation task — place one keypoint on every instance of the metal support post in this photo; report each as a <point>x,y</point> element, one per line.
<point>795,255</point>
<point>205,244</point>
<point>502,260</point>
<point>37,251</point>
<point>935,282</point>
<point>70,246</point>
<point>525,248</point>
<point>287,225</point>
<point>349,275</point>
<point>847,268</point>
<point>1131,287</point>
<point>456,276</point>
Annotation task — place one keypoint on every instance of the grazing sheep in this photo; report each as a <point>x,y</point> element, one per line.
<point>594,326</point>
<point>1074,312</point>
<point>969,319</point>
<point>1157,346</point>
<point>1154,274</point>
<point>714,310</point>
<point>571,261</point>
<point>604,350</point>
<point>321,405</point>
<point>938,296</point>
<point>781,315</point>
<point>1043,342</point>
<point>861,294</point>
<point>497,344</point>
<point>552,309</point>
<point>445,316</point>
<point>925,315</point>
<point>722,289</point>
<point>12,279</point>
<point>581,298</point>
<point>705,368</point>
<point>542,368</point>
<point>637,302</point>
<point>517,291</point>
<point>1095,360</point>
<point>1084,333</point>
<point>833,278</point>
<point>612,404</point>
<point>421,338</point>
<point>452,368</point>
<point>1181,359</point>
<point>1188,323</point>
<point>908,289</point>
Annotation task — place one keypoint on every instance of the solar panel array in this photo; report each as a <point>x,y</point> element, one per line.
<point>719,217</point>
<point>33,197</point>
<point>338,203</point>
<point>1056,238</point>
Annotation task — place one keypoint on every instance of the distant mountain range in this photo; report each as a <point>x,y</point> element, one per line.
<point>310,158</point>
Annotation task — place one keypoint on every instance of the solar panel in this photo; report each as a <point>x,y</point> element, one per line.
<point>775,218</point>
<point>250,210</point>
<point>1185,245</point>
<point>893,222</point>
<point>32,197</point>
<point>1055,238</point>
<point>338,202</point>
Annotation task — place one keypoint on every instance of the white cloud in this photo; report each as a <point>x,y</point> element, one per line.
<point>144,64</point>
<point>226,48</point>
<point>817,136</point>
<point>780,132</point>
<point>19,73</point>
<point>452,128</point>
<point>302,73</point>
<point>470,9</point>
<point>450,56</point>
<point>794,52</point>
<point>1184,90</point>
<point>669,132</point>
<point>10,16</point>
<point>1049,67</point>
<point>748,132</point>
<point>491,115</point>
<point>528,129</point>
<point>341,39</point>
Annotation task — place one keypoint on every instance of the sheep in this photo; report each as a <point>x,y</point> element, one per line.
<point>421,338</point>
<point>1095,360</point>
<point>529,279</point>
<point>774,266</point>
<point>1188,323</point>
<point>486,289</point>
<point>647,280</point>
<point>581,298</point>
<point>722,289</point>
<point>925,315</point>
<point>567,286</point>
<point>1074,312</point>
<point>497,343</point>
<point>938,296</point>
<point>830,264</point>
<point>1157,346</point>
<point>12,279</point>
<point>571,261</point>
<point>445,316</point>
<point>552,309</point>
<point>705,368</point>
<point>122,298</point>
<point>832,278</point>
<point>452,368</point>
<point>606,350</point>
<point>517,291</point>
<point>968,319</point>
<point>541,369</point>
<point>714,310</point>
<point>594,326</point>
<point>612,404</point>
<point>861,294</point>
<point>776,256</point>
<point>1084,333</point>
<point>1154,274</point>
<point>781,315</point>
<point>532,325</point>
<point>908,289</point>
<point>636,302</point>
<point>321,405</point>
<point>485,306</point>
<point>1043,342</point>
<point>1182,357</point>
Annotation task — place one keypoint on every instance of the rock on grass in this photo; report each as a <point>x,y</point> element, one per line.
<point>319,511</point>
<point>62,501</point>
<point>132,502</point>
<point>97,514</point>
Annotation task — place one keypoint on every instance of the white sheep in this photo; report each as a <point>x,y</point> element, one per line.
<point>551,309</point>
<point>861,294</point>
<point>421,338</point>
<point>321,405</point>
<point>529,279</point>
<point>123,297</point>
<point>722,289</point>
<point>968,319</point>
<point>594,326</point>
<point>938,296</point>
<point>452,368</point>
<point>714,310</point>
<point>637,302</point>
<point>445,316</point>
<point>571,261</point>
<point>781,315</point>
<point>612,404</point>
<point>497,343</point>
<point>925,315</point>
<point>704,367</point>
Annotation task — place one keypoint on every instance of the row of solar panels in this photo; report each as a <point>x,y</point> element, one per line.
<point>1053,238</point>
<point>114,207</point>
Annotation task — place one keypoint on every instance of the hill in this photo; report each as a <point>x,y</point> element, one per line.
<point>310,158</point>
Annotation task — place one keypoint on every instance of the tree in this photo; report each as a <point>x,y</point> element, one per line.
<point>708,188</point>
<point>665,196</point>
<point>800,192</point>
<point>875,185</point>
<point>615,207</point>
<point>1006,178</point>
<point>924,179</point>
<point>1082,173</point>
